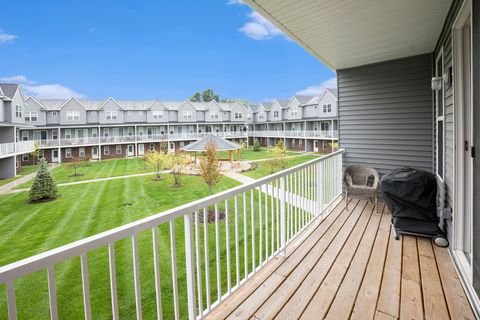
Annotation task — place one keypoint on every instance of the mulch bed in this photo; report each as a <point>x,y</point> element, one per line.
<point>211,216</point>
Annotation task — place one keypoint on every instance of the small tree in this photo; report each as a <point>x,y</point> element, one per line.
<point>44,187</point>
<point>156,160</point>
<point>35,153</point>
<point>256,145</point>
<point>275,158</point>
<point>177,162</point>
<point>164,146</point>
<point>76,163</point>
<point>210,166</point>
<point>281,146</point>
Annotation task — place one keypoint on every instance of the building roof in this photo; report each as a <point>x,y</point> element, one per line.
<point>303,99</point>
<point>221,144</point>
<point>9,89</point>
<point>333,91</point>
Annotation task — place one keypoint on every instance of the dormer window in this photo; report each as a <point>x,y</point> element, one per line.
<point>294,112</point>
<point>73,115</point>
<point>327,108</point>
<point>275,114</point>
<point>111,115</point>
<point>157,115</point>
<point>214,115</point>
<point>187,114</point>
<point>238,115</point>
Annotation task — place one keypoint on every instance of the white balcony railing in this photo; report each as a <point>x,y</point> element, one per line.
<point>261,219</point>
<point>296,134</point>
<point>15,148</point>
<point>7,149</point>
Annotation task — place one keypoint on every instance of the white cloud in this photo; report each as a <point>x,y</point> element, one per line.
<point>259,28</point>
<point>236,2</point>
<point>319,89</point>
<point>6,38</point>
<point>43,91</point>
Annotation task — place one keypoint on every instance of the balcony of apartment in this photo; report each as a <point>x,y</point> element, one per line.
<point>283,246</point>
<point>15,148</point>
<point>321,134</point>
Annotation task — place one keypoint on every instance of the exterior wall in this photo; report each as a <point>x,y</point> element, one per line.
<point>73,105</point>
<point>275,108</point>
<point>237,108</point>
<point>2,110</point>
<point>92,116</point>
<point>7,167</point>
<point>52,117</point>
<point>311,111</point>
<point>135,116</point>
<point>41,114</point>
<point>213,113</point>
<point>111,105</point>
<point>187,107</point>
<point>294,110</point>
<point>385,113</point>
<point>326,99</point>
<point>17,100</point>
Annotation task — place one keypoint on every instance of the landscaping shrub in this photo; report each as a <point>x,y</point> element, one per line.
<point>44,187</point>
<point>256,145</point>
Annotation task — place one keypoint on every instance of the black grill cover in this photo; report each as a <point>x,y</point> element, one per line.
<point>410,194</point>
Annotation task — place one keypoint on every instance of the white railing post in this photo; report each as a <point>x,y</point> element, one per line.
<point>12,305</point>
<point>190,257</point>
<point>319,188</point>
<point>283,230</point>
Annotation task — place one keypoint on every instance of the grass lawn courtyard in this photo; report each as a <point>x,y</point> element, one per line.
<point>25,170</point>
<point>264,169</point>
<point>94,207</point>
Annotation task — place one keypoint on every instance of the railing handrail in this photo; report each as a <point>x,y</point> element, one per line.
<point>43,260</point>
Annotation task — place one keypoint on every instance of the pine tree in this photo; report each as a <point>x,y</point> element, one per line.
<point>256,145</point>
<point>44,187</point>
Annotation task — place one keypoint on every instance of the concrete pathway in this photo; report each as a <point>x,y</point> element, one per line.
<point>7,188</point>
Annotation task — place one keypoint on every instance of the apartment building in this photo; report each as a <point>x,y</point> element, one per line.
<point>65,129</point>
<point>12,105</point>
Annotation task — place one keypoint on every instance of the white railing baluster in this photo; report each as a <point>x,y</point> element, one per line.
<point>156,265</point>
<point>282,215</point>
<point>217,254</point>
<point>52,293</point>
<point>173,251</point>
<point>207,260</point>
<point>260,226</point>
<point>272,214</point>
<point>190,268</point>
<point>287,212</point>
<point>237,253</point>
<point>198,265</point>
<point>227,244</point>
<point>252,212</point>
<point>113,280</point>
<point>12,304</point>
<point>85,286</point>
<point>277,212</point>
<point>296,203</point>
<point>267,256</point>
<point>245,235</point>
<point>136,276</point>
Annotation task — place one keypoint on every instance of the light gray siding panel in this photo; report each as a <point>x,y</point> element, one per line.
<point>385,112</point>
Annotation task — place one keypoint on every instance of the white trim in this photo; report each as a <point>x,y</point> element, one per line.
<point>110,99</point>
<point>440,57</point>
<point>66,102</point>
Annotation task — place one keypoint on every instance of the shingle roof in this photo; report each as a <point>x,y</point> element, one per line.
<point>9,89</point>
<point>333,91</point>
<point>254,108</point>
<point>221,144</point>
<point>303,99</point>
<point>283,103</point>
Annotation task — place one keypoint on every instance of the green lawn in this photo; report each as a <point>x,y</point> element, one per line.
<point>264,169</point>
<point>23,172</point>
<point>84,210</point>
<point>249,154</point>
<point>96,169</point>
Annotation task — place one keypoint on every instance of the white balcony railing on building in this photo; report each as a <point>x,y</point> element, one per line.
<point>261,219</point>
<point>7,149</point>
<point>22,147</point>
<point>296,134</point>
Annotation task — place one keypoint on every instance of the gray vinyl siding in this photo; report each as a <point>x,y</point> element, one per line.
<point>135,116</point>
<point>53,117</point>
<point>385,113</point>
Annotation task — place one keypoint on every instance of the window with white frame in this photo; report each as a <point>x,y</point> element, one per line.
<point>111,115</point>
<point>72,115</point>
<point>187,114</point>
<point>214,115</point>
<point>157,114</point>
<point>140,113</point>
<point>325,126</point>
<point>152,146</point>
<point>68,133</point>
<point>31,116</point>
<point>81,152</point>
<point>238,115</point>
<point>68,153</point>
<point>25,157</point>
<point>300,142</point>
<point>294,112</point>
<point>94,132</point>
<point>24,135</point>
<point>54,113</point>
<point>118,149</point>
<point>18,111</point>
<point>130,113</point>
<point>324,145</point>
<point>106,150</point>
<point>439,118</point>
<point>276,114</point>
<point>327,108</point>
<point>54,134</point>
<point>41,154</point>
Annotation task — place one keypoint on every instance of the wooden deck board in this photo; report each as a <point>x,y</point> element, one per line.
<point>350,266</point>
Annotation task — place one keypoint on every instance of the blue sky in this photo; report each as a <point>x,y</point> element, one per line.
<point>152,49</point>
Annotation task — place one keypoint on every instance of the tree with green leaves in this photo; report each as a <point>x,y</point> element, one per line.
<point>35,153</point>
<point>281,146</point>
<point>210,166</point>
<point>276,158</point>
<point>205,96</point>
<point>197,97</point>
<point>157,161</point>
<point>44,187</point>
<point>75,163</point>
<point>256,145</point>
<point>177,163</point>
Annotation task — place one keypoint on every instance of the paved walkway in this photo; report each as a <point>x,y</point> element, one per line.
<point>7,188</point>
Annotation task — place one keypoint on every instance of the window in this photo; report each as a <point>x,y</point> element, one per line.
<point>300,143</point>
<point>293,142</point>
<point>25,157</point>
<point>118,149</point>
<point>106,150</point>
<point>94,132</point>
<point>324,145</point>
<point>73,115</point>
<point>140,113</point>
<point>294,112</point>
<point>68,153</point>
<point>111,115</point>
<point>187,114</point>
<point>214,115</point>
<point>24,135</point>
<point>31,116</point>
<point>238,115</point>
<point>275,114</point>
<point>54,113</point>
<point>41,154</point>
<point>327,108</point>
<point>68,133</point>
<point>81,152</point>
<point>94,113</point>
<point>439,118</point>
<point>18,111</point>
<point>172,145</point>
<point>157,115</point>
<point>152,146</point>
<point>325,126</point>
<point>130,113</point>
<point>54,134</point>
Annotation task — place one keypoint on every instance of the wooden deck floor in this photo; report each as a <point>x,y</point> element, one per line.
<point>350,266</point>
